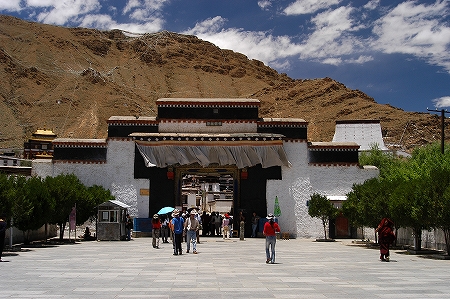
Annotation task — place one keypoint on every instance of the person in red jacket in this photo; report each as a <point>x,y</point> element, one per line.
<point>156,231</point>
<point>270,230</point>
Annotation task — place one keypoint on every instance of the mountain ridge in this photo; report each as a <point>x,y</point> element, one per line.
<point>71,80</point>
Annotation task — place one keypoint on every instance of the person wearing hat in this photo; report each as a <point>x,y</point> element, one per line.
<point>270,230</point>
<point>156,231</point>
<point>177,227</point>
<point>191,226</point>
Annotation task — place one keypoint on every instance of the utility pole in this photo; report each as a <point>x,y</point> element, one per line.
<point>443,111</point>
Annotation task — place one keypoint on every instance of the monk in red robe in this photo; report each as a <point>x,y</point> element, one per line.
<point>386,237</point>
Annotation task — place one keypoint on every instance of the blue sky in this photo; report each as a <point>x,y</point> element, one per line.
<point>397,52</point>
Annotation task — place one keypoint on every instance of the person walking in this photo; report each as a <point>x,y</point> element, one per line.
<point>2,234</point>
<point>156,231</point>
<point>178,228</point>
<point>225,227</point>
<point>128,227</point>
<point>270,230</point>
<point>386,237</point>
<point>165,229</point>
<point>206,219</point>
<point>255,220</point>
<point>191,225</point>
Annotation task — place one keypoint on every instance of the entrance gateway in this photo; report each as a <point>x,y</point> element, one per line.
<point>210,153</point>
<point>153,162</point>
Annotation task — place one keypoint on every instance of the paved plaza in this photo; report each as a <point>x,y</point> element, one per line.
<point>221,269</point>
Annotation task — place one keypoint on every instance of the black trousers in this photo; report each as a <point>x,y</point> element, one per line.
<point>178,239</point>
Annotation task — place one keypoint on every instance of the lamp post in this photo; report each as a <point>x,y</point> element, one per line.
<point>443,111</point>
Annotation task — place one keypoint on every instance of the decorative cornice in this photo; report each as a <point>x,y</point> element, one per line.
<point>282,123</point>
<point>358,121</point>
<point>132,123</point>
<point>119,139</point>
<point>197,139</point>
<point>190,120</point>
<point>79,143</point>
<point>207,103</point>
<point>333,146</point>
<point>79,161</point>
<point>295,140</point>
<point>334,164</point>
<point>333,149</point>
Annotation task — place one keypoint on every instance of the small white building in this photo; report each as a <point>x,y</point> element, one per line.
<point>147,162</point>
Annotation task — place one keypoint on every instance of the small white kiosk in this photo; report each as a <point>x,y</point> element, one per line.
<point>111,220</point>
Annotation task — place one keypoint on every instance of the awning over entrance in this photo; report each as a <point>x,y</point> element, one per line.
<point>243,150</point>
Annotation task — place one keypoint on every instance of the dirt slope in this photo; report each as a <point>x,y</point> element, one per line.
<point>72,80</point>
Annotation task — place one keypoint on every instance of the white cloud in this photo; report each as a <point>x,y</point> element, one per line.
<point>131,4</point>
<point>144,10</point>
<point>105,22</point>
<point>61,12</point>
<point>301,7</point>
<point>10,5</point>
<point>264,4</point>
<point>416,29</point>
<point>442,102</point>
<point>332,36</point>
<point>85,13</point>
<point>332,41</point>
<point>360,60</point>
<point>41,3</point>
<point>372,4</point>
<point>255,44</point>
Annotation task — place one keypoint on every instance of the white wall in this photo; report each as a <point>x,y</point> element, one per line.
<point>299,182</point>
<point>117,175</point>
<point>302,180</point>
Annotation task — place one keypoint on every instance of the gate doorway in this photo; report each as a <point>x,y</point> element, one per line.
<point>211,189</point>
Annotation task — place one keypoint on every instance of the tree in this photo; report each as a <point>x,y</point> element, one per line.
<point>367,203</point>
<point>66,190</point>
<point>320,207</point>
<point>87,209</point>
<point>7,194</point>
<point>32,206</point>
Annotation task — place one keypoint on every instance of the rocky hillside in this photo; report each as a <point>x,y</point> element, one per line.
<point>72,80</point>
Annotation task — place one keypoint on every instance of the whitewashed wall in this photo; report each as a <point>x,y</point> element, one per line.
<point>302,180</point>
<point>117,175</point>
<point>299,182</point>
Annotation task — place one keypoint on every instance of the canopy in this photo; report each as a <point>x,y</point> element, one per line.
<point>240,155</point>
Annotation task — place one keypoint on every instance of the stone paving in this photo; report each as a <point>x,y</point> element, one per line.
<point>221,269</point>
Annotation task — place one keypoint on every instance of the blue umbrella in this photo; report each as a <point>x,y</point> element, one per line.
<point>165,210</point>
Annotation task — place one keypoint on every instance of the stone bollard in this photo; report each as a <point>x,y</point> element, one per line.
<point>241,234</point>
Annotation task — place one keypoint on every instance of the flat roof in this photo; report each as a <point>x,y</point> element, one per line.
<point>127,117</point>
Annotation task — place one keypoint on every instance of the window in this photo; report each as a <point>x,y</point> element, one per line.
<point>108,216</point>
<point>213,123</point>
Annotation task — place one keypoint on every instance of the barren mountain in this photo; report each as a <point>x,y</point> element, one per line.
<point>71,80</point>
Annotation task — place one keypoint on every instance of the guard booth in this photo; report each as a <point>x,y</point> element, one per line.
<point>111,220</point>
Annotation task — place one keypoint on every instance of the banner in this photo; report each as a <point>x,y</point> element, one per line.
<point>73,219</point>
